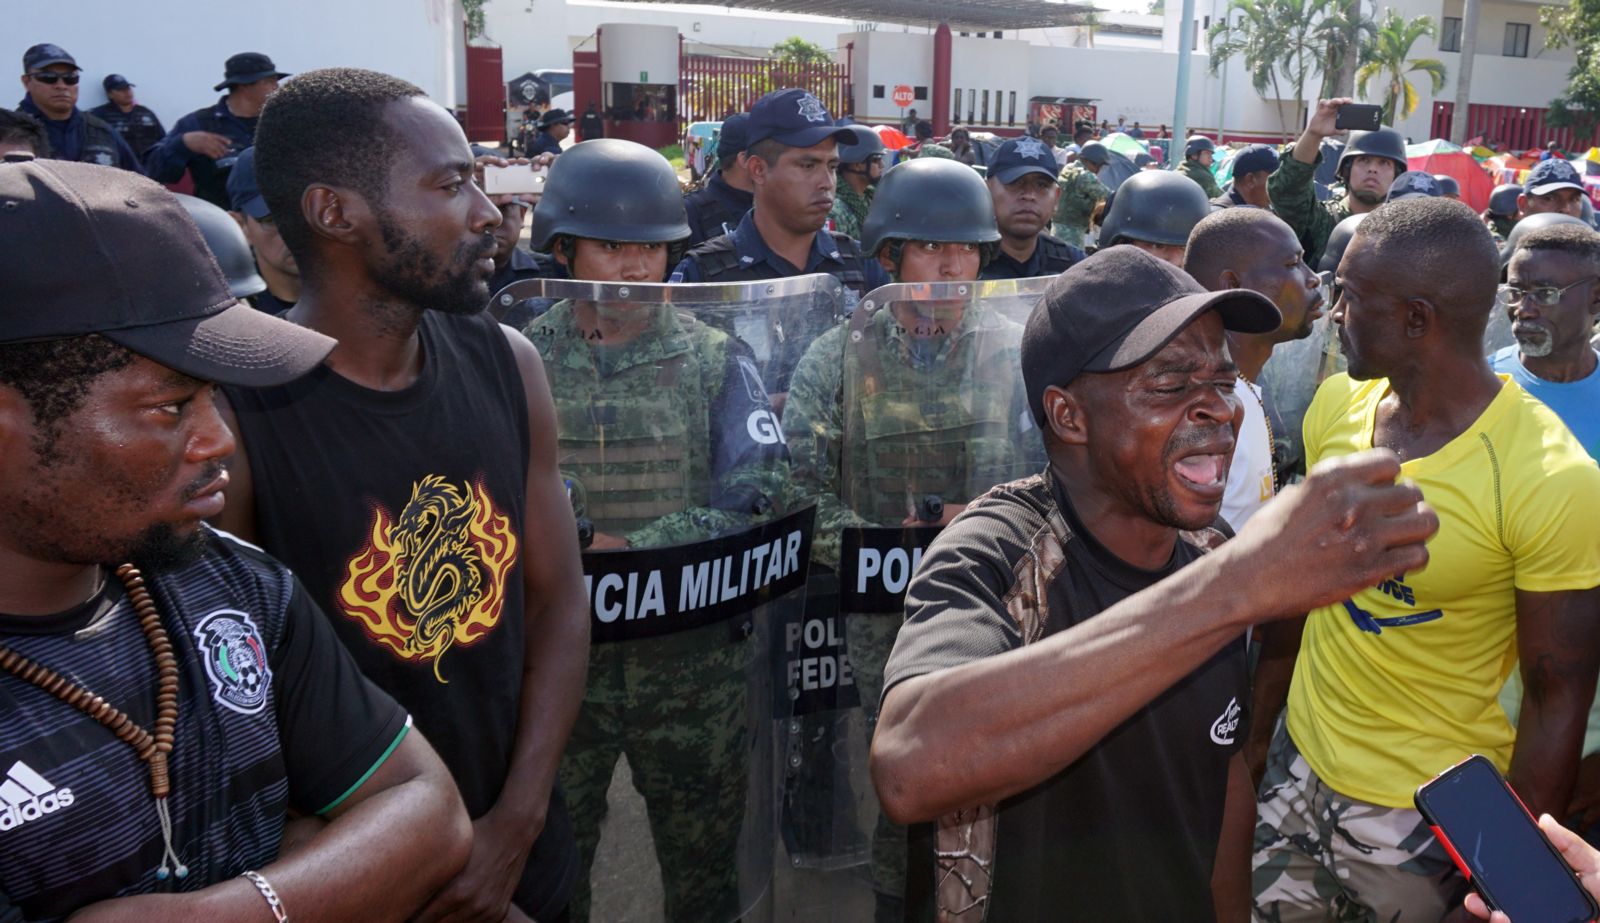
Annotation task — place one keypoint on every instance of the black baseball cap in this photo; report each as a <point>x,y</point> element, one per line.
<point>1018,157</point>
<point>1549,175</point>
<point>127,262</point>
<point>46,54</point>
<point>244,194</point>
<point>793,118</point>
<point>247,67</point>
<point>1115,310</point>
<point>115,82</point>
<point>734,136</point>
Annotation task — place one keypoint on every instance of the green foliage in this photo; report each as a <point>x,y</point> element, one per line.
<point>674,155</point>
<point>473,11</point>
<point>1281,42</point>
<point>1157,8</point>
<point>1391,61</point>
<point>1346,29</point>
<point>1577,24</point>
<point>797,51</point>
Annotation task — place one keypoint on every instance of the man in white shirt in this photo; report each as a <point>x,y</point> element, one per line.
<point>1252,248</point>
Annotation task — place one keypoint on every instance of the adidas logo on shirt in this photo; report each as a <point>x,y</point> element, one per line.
<point>27,796</point>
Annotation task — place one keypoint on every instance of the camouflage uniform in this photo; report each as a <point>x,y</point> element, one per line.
<point>1316,851</point>
<point>934,149</point>
<point>1081,193</point>
<point>637,445</point>
<point>850,209</point>
<point>949,423</point>
<point>1294,199</point>
<point>1501,228</point>
<point>1201,174</point>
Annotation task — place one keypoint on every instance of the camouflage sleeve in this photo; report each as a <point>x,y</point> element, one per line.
<point>1208,182</point>
<point>813,425</point>
<point>748,463</point>
<point>1294,198</point>
<point>844,219</point>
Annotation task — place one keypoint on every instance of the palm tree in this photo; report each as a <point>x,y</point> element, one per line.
<point>1391,61</point>
<point>1255,39</point>
<point>1345,36</point>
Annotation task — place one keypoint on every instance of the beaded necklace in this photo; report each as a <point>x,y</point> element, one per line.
<point>151,747</point>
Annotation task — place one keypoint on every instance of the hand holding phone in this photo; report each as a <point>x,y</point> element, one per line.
<point>513,179</point>
<point>1495,843</point>
<point>1358,117</point>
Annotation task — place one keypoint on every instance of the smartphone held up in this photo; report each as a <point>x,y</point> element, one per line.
<point>514,179</point>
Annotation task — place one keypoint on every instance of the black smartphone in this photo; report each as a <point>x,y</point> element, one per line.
<point>1358,116</point>
<point>1499,847</point>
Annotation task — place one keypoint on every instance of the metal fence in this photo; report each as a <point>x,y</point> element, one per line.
<point>711,87</point>
<point>1519,128</point>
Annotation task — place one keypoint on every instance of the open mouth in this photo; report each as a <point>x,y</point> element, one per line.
<point>1205,471</point>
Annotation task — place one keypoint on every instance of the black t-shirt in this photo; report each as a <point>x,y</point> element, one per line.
<point>1129,831</point>
<point>403,513</point>
<point>296,726</point>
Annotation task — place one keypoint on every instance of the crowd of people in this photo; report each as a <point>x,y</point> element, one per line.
<point>356,523</point>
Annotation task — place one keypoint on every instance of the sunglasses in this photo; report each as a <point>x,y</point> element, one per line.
<point>50,79</point>
<point>1547,295</point>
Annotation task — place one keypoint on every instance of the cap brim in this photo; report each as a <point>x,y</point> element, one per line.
<point>1414,195</point>
<point>243,79</point>
<point>1242,311</point>
<point>811,137</point>
<point>50,61</point>
<point>1011,175</point>
<point>1548,188</point>
<point>255,207</point>
<point>236,346</point>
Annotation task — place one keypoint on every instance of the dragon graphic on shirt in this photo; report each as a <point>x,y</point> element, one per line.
<point>432,577</point>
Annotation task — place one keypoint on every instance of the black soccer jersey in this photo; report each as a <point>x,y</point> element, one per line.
<point>272,714</point>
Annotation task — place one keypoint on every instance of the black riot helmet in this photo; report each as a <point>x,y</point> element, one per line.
<point>866,145</point>
<point>1384,142</point>
<point>933,199</point>
<point>1503,201</point>
<point>1448,185</point>
<point>1338,242</point>
<point>1197,144</point>
<point>1534,223</point>
<point>226,242</point>
<point>1096,153</point>
<point>1154,206</point>
<point>610,189</point>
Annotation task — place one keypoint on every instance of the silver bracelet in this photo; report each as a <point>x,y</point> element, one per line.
<point>271,896</point>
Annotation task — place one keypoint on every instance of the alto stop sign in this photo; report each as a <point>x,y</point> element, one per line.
<point>902,96</point>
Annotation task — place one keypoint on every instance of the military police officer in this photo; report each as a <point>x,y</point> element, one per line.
<point>1154,210</point>
<point>1368,167</point>
<point>652,409</point>
<point>716,208</point>
<point>1081,193</point>
<point>1502,211</point>
<point>1198,155</point>
<point>1022,183</point>
<point>206,142</point>
<point>860,168</point>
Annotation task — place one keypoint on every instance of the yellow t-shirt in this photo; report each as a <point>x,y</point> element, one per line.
<point>1400,681</point>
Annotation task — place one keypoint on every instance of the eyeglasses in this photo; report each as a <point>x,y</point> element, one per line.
<point>1547,295</point>
<point>49,78</point>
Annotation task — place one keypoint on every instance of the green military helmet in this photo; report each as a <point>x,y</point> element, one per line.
<point>610,189</point>
<point>866,145</point>
<point>1197,144</point>
<point>1339,241</point>
<point>935,200</point>
<point>1384,142</point>
<point>1154,206</point>
<point>227,243</point>
<point>1503,200</point>
<point>1096,153</point>
<point>1534,223</point>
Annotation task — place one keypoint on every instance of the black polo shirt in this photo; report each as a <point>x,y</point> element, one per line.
<point>1129,831</point>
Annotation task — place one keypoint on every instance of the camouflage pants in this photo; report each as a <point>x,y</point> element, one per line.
<point>870,638</point>
<point>1320,856</point>
<point>679,708</point>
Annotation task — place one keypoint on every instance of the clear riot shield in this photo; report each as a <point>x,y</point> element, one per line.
<point>1289,381</point>
<point>895,421</point>
<point>695,556</point>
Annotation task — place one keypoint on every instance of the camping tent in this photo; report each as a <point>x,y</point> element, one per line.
<point>1442,157</point>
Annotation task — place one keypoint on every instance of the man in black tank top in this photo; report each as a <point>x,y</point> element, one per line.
<point>412,479</point>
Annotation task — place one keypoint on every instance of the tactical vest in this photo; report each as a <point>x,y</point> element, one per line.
<point>943,431</point>
<point>633,445</point>
<point>719,261</point>
<point>711,217</point>
<point>1056,255</point>
<point>99,142</point>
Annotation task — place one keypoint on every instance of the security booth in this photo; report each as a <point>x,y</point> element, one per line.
<point>639,82</point>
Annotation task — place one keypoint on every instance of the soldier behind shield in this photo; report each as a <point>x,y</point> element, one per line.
<point>902,416</point>
<point>666,437</point>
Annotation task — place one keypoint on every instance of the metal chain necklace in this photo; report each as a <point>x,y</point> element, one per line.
<point>1272,443</point>
<point>152,748</point>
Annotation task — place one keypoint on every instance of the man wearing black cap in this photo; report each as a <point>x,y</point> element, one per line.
<point>1252,167</point>
<point>227,701</point>
<point>1065,698</point>
<point>135,123</point>
<point>274,262</point>
<point>207,141</point>
<point>50,78</point>
<point>1022,182</point>
<point>1552,186</point>
<point>551,128</point>
<point>717,207</point>
<point>412,478</point>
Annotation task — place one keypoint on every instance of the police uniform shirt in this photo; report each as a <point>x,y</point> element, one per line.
<point>140,127</point>
<point>166,161</point>
<point>269,303</point>
<point>755,255</point>
<point>83,137</point>
<point>542,143</point>
<point>272,715</point>
<point>715,209</point>
<point>1050,256</point>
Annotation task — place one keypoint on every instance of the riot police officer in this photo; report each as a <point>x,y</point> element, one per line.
<point>716,208</point>
<point>1081,193</point>
<point>1502,211</point>
<point>1198,155</point>
<point>207,141</point>
<point>1155,210</point>
<point>652,411</point>
<point>902,416</point>
<point>1022,183</point>
<point>1368,166</point>
<point>860,168</point>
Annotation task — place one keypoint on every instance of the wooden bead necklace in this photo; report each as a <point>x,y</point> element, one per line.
<point>153,748</point>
